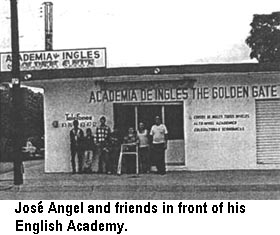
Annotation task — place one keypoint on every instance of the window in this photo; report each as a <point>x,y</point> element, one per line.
<point>174,121</point>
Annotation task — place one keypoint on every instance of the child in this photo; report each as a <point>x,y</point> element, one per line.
<point>89,148</point>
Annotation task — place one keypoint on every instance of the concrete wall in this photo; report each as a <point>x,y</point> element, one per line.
<point>60,98</point>
<point>226,149</point>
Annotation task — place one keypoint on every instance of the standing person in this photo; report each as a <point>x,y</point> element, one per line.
<point>102,140</point>
<point>144,160</point>
<point>115,147</point>
<point>76,139</point>
<point>132,140</point>
<point>159,144</point>
<point>89,148</point>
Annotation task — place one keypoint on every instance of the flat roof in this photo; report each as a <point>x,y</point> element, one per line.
<point>146,70</point>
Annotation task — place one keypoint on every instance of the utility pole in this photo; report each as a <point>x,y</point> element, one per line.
<point>48,8</point>
<point>16,97</point>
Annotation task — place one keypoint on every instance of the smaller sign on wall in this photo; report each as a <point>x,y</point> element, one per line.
<point>85,121</point>
<point>219,122</point>
<point>59,59</point>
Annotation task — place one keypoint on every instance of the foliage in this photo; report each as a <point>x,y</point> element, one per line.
<point>32,119</point>
<point>264,39</point>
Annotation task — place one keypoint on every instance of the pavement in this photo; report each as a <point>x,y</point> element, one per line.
<point>194,185</point>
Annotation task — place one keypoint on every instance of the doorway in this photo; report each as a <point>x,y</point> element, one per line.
<point>129,115</point>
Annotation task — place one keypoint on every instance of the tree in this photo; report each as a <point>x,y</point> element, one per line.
<point>264,39</point>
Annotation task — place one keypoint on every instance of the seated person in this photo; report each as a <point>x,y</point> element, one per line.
<point>131,140</point>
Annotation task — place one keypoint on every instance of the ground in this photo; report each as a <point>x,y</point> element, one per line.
<point>195,185</point>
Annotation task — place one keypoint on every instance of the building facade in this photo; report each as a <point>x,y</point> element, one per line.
<point>219,117</point>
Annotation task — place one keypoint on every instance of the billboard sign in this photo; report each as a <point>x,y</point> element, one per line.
<point>57,59</point>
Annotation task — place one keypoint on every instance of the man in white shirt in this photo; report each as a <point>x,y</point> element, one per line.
<point>159,144</point>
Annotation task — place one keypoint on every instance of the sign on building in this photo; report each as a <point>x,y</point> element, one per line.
<point>59,59</point>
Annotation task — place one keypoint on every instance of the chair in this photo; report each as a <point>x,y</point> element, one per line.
<point>124,151</point>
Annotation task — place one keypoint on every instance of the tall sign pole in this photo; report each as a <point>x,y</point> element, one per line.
<point>16,97</point>
<point>48,8</point>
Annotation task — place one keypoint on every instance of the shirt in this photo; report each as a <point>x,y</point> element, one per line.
<point>88,143</point>
<point>158,132</point>
<point>102,134</point>
<point>130,139</point>
<point>115,140</point>
<point>143,139</point>
<point>76,136</point>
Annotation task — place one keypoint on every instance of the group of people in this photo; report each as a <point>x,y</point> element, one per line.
<point>100,152</point>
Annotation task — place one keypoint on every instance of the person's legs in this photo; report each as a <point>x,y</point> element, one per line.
<point>85,163</point>
<point>80,161</point>
<point>148,160</point>
<point>108,162</point>
<point>162,162</point>
<point>90,160</point>
<point>73,154</point>
<point>101,160</point>
<point>144,159</point>
<point>95,161</point>
<point>154,155</point>
<point>161,159</point>
<point>115,153</point>
<point>159,154</point>
<point>141,160</point>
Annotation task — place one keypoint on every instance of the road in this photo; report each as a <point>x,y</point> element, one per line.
<point>201,185</point>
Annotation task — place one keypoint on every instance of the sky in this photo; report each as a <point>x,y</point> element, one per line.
<point>142,32</point>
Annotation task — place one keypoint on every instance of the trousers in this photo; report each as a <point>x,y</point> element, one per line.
<point>158,154</point>
<point>76,152</point>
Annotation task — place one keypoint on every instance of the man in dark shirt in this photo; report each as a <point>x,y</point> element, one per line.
<point>102,139</point>
<point>76,139</point>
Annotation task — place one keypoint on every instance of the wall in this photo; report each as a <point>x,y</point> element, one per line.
<point>209,145</point>
<point>62,97</point>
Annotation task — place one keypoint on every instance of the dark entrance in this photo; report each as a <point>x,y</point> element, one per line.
<point>147,114</point>
<point>124,117</point>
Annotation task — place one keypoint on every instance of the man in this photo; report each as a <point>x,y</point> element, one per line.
<point>115,147</point>
<point>143,137</point>
<point>159,144</point>
<point>76,139</point>
<point>102,140</point>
